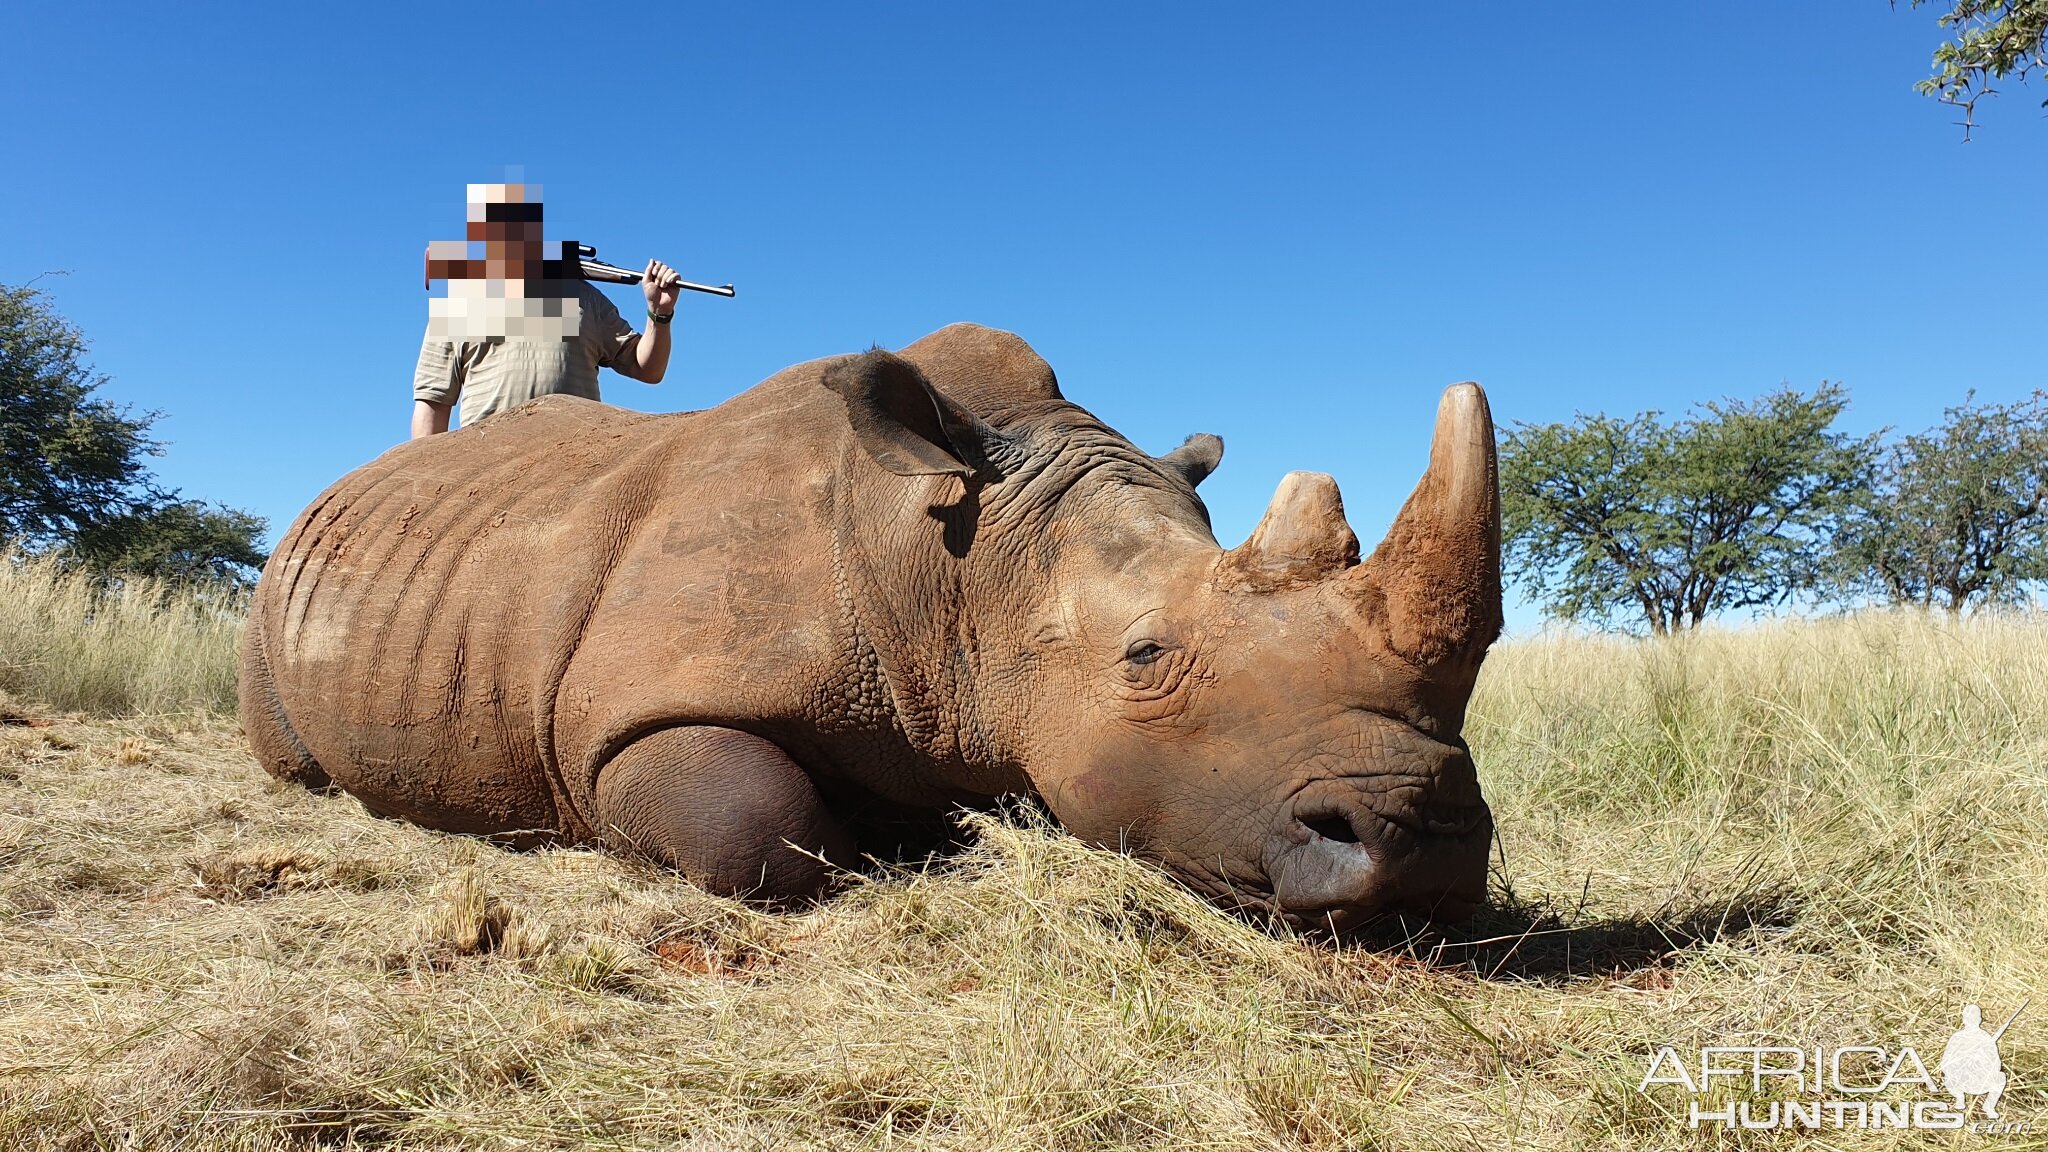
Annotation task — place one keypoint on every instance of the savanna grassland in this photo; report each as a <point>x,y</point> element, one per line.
<point>1815,832</point>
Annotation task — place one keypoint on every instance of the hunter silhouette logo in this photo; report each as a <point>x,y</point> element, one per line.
<point>1970,1064</point>
<point>1854,1085</point>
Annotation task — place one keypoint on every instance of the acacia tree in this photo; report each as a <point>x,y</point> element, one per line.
<point>1957,515</point>
<point>73,475</point>
<point>1990,40</point>
<point>184,540</point>
<point>1660,525</point>
<point>67,459</point>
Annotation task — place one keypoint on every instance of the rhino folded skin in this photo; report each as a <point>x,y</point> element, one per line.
<point>919,579</point>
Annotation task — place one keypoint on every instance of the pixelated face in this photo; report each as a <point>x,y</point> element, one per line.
<point>503,238</point>
<point>497,276</point>
<point>506,218</point>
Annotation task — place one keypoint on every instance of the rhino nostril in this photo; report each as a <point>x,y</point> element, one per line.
<point>1454,821</point>
<point>1332,828</point>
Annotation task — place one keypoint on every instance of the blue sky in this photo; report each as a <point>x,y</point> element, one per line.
<point>1289,226</point>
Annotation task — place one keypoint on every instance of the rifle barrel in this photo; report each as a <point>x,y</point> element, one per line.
<point>613,274</point>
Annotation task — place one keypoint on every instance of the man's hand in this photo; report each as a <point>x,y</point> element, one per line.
<point>659,283</point>
<point>649,359</point>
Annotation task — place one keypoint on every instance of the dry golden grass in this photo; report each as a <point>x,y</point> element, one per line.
<point>144,647</point>
<point>1806,833</point>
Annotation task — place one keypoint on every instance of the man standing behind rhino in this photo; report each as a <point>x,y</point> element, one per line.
<point>516,326</point>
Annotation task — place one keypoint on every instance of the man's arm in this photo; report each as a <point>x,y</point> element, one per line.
<point>436,385</point>
<point>647,360</point>
<point>429,417</point>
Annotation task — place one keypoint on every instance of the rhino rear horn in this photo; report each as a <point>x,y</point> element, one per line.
<point>1437,573</point>
<point>1302,537</point>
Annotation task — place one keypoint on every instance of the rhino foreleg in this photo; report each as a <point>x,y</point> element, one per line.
<point>727,809</point>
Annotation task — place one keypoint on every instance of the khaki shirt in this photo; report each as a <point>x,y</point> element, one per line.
<point>492,375</point>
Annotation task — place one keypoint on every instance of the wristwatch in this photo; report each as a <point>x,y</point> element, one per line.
<point>660,317</point>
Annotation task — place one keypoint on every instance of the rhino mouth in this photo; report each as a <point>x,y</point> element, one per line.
<point>1256,902</point>
<point>1338,873</point>
<point>1352,849</point>
<point>1351,881</point>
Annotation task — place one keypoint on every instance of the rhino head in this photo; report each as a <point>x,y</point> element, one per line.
<point>1278,724</point>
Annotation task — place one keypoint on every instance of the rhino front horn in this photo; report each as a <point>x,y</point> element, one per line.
<point>1437,573</point>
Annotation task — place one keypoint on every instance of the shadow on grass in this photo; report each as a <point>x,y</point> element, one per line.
<point>1515,939</point>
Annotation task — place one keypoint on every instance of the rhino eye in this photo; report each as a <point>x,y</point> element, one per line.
<point>1144,652</point>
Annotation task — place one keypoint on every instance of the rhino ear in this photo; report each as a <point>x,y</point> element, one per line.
<point>1195,459</point>
<point>905,424</point>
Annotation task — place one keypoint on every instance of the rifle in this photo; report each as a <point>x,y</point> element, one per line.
<point>595,269</point>
<point>583,266</point>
